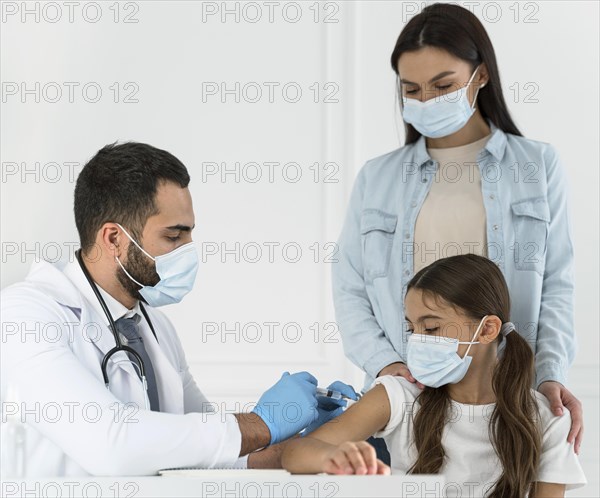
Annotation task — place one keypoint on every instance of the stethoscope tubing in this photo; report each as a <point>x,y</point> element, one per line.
<point>113,327</point>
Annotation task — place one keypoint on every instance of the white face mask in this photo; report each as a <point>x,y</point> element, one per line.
<point>434,360</point>
<point>177,271</point>
<point>440,116</point>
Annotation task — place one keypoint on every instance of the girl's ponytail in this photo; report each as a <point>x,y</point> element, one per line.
<point>514,430</point>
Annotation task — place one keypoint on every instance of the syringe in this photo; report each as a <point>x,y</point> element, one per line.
<point>328,393</point>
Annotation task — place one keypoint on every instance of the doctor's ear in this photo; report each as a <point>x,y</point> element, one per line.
<point>111,239</point>
<point>489,330</point>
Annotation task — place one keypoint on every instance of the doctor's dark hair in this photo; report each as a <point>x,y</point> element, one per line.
<point>475,287</point>
<point>119,185</point>
<point>458,31</point>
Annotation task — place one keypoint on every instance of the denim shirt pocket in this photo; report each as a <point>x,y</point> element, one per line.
<point>531,218</point>
<point>377,230</point>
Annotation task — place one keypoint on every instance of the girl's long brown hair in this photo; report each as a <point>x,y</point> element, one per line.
<point>476,286</point>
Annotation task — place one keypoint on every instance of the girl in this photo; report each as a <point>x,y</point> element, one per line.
<point>477,421</point>
<point>465,181</point>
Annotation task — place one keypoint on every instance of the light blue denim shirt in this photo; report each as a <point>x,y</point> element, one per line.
<point>529,236</point>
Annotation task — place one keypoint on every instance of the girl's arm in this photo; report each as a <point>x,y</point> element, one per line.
<point>330,448</point>
<point>548,490</point>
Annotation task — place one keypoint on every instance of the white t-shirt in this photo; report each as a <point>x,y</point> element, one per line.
<point>472,467</point>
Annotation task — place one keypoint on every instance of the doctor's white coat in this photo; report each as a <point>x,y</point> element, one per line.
<point>53,342</point>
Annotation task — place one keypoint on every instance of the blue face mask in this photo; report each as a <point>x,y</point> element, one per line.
<point>177,271</point>
<point>434,360</point>
<point>440,116</point>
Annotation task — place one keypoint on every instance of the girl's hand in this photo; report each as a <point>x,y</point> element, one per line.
<point>354,458</point>
<point>401,370</point>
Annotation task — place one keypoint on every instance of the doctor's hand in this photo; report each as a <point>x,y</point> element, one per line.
<point>401,370</point>
<point>560,396</point>
<point>330,408</point>
<point>289,406</point>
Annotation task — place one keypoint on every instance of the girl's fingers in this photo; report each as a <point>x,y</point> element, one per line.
<point>382,468</point>
<point>369,456</point>
<point>331,467</point>
<point>354,456</point>
<point>341,460</point>
<point>357,458</point>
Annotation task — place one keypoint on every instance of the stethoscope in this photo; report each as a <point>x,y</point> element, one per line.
<point>113,327</point>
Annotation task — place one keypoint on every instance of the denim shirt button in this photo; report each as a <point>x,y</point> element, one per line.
<point>491,196</point>
<point>424,180</point>
<point>407,236</point>
<point>495,227</point>
<point>407,272</point>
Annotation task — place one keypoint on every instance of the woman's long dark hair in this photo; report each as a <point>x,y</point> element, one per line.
<point>476,286</point>
<point>456,30</point>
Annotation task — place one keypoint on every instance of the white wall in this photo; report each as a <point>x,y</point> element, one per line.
<point>159,65</point>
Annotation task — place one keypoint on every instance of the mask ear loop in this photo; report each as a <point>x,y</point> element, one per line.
<point>127,273</point>
<point>475,335</point>
<point>137,245</point>
<point>478,88</point>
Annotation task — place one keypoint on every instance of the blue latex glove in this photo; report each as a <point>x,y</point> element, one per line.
<point>288,406</point>
<point>330,408</point>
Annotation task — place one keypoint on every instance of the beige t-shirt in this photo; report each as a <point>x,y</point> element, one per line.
<point>452,219</point>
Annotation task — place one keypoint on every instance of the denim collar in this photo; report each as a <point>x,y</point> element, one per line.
<point>495,145</point>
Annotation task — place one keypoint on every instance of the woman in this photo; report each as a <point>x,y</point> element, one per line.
<point>466,181</point>
<point>478,421</point>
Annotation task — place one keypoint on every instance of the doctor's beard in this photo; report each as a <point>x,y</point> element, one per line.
<point>140,267</point>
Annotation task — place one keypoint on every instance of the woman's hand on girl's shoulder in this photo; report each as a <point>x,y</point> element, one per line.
<point>559,396</point>
<point>400,369</point>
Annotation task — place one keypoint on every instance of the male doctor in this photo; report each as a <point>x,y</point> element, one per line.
<point>134,215</point>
